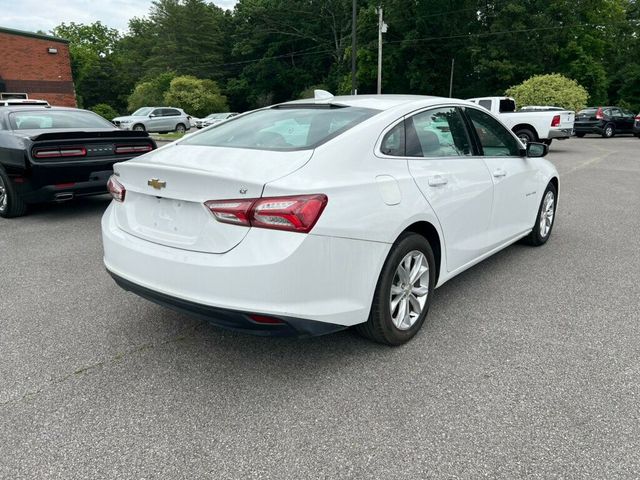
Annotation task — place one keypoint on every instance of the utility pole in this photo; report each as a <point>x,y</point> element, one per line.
<point>354,17</point>
<point>382,28</point>
<point>453,61</point>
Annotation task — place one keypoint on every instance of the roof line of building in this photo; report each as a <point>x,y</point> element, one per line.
<point>32,35</point>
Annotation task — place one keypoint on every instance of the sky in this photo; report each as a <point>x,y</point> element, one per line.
<point>34,15</point>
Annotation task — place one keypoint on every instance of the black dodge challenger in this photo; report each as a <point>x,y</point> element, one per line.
<point>55,154</point>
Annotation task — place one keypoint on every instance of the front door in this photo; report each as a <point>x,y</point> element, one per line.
<point>514,178</point>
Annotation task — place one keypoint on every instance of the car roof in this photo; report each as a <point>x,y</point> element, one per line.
<point>377,102</point>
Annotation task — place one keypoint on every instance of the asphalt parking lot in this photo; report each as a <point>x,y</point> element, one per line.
<point>528,365</point>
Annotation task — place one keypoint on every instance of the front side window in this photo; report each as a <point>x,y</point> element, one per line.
<point>142,112</point>
<point>46,119</point>
<point>495,139</point>
<point>437,133</point>
<point>282,128</point>
<point>158,112</point>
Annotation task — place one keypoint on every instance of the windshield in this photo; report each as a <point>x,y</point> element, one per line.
<point>142,112</point>
<point>217,115</point>
<point>282,128</point>
<point>45,119</point>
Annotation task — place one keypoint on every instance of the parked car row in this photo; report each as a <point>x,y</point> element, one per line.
<point>544,123</point>
<point>213,118</point>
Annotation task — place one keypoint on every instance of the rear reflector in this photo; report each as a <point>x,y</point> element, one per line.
<point>556,121</point>
<point>120,149</point>
<point>64,185</point>
<point>297,213</point>
<point>57,152</point>
<point>263,319</point>
<point>116,189</point>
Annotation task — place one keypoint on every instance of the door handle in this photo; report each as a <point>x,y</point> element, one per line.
<point>499,173</point>
<point>437,180</point>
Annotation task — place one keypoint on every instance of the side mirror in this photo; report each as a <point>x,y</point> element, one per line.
<point>537,150</point>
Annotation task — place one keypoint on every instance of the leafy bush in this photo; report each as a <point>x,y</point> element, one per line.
<point>553,89</point>
<point>195,96</point>
<point>150,93</point>
<point>105,110</point>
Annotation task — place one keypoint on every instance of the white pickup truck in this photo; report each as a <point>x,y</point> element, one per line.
<point>529,126</point>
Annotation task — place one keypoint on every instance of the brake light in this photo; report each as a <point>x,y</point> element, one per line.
<point>556,121</point>
<point>116,189</point>
<point>57,152</point>
<point>120,149</point>
<point>599,114</point>
<point>298,213</point>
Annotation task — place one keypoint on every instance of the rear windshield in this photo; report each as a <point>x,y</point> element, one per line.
<point>46,119</point>
<point>282,128</point>
<point>588,111</point>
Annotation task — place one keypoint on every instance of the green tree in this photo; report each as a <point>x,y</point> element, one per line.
<point>551,89</point>
<point>196,96</point>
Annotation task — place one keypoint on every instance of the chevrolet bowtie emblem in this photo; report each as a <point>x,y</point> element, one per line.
<point>156,183</point>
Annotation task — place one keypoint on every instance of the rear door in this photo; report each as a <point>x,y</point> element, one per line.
<point>628,118</point>
<point>456,184</point>
<point>514,177</point>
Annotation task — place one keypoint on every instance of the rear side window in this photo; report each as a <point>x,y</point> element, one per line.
<point>495,139</point>
<point>507,105</point>
<point>485,103</point>
<point>437,133</point>
<point>282,128</point>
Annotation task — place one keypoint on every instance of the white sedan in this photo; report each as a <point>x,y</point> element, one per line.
<point>317,215</point>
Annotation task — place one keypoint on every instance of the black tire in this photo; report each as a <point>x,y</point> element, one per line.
<point>547,141</point>
<point>536,238</point>
<point>609,130</point>
<point>138,127</point>
<point>380,327</point>
<point>11,205</point>
<point>580,134</point>
<point>526,135</point>
<point>180,128</point>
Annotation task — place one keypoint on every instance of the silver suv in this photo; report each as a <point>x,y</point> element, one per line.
<point>155,119</point>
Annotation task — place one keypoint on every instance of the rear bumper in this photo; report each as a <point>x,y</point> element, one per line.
<point>231,319</point>
<point>286,275</point>
<point>96,185</point>
<point>560,133</point>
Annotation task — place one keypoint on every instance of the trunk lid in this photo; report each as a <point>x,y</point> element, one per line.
<point>567,119</point>
<point>166,191</point>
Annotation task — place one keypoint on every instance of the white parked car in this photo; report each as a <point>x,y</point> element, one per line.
<point>317,215</point>
<point>528,125</point>
<point>213,118</point>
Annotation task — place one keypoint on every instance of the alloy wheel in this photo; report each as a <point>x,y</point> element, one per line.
<point>409,290</point>
<point>546,214</point>
<point>3,196</point>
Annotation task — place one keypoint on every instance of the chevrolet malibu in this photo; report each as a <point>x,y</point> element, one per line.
<point>316,215</point>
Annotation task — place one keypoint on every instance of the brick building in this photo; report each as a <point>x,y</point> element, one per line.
<point>38,65</point>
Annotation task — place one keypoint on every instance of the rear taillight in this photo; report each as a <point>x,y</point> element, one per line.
<point>231,211</point>
<point>58,152</point>
<point>638,118</point>
<point>120,149</point>
<point>298,213</point>
<point>556,121</point>
<point>116,189</point>
<point>599,114</point>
